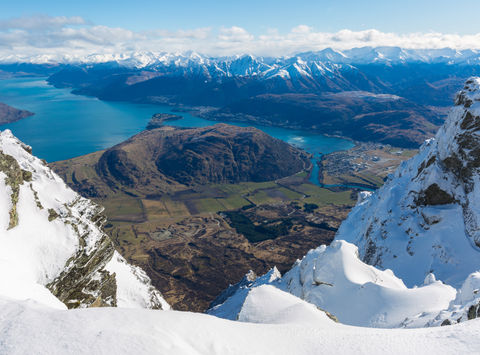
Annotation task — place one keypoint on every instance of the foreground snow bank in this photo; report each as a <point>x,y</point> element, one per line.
<point>28,328</point>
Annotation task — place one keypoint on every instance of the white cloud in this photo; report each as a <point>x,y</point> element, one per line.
<point>235,34</point>
<point>71,38</point>
<point>40,22</point>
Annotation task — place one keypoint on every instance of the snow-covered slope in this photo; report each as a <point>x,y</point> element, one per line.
<point>52,247</point>
<point>27,328</point>
<point>426,218</point>
<point>466,306</point>
<point>334,279</point>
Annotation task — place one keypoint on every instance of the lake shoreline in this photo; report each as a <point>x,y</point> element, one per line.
<point>68,125</point>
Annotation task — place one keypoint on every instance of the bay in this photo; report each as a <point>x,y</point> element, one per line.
<point>67,125</point>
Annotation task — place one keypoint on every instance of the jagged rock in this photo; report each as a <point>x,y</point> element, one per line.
<point>14,178</point>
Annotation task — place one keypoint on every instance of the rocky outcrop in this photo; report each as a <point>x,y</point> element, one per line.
<point>14,178</point>
<point>84,280</point>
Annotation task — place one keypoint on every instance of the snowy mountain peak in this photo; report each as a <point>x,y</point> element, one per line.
<point>52,247</point>
<point>470,93</point>
<point>426,218</point>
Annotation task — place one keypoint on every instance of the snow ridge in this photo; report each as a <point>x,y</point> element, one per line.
<point>336,281</point>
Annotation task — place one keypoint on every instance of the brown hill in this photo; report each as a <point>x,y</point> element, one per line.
<point>169,159</point>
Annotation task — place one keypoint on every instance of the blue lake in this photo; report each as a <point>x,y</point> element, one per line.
<point>67,125</point>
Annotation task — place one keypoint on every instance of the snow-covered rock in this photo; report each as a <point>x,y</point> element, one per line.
<point>267,304</point>
<point>230,302</point>
<point>465,306</point>
<point>52,246</point>
<point>426,217</point>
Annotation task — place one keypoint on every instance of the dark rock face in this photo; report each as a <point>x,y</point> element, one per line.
<point>15,177</point>
<point>217,154</point>
<point>433,196</point>
<point>473,312</point>
<point>84,282</point>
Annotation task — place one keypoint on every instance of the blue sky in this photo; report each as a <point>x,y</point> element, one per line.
<point>51,30</point>
<point>403,16</point>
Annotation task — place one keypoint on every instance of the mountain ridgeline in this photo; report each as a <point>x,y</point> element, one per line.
<point>54,250</point>
<point>425,218</point>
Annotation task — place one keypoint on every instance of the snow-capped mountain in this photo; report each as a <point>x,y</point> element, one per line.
<point>247,64</point>
<point>426,217</point>
<point>53,250</point>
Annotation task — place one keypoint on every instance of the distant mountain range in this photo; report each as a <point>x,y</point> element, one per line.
<point>385,94</point>
<point>363,55</point>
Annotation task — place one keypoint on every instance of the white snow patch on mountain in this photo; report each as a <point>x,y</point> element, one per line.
<point>134,287</point>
